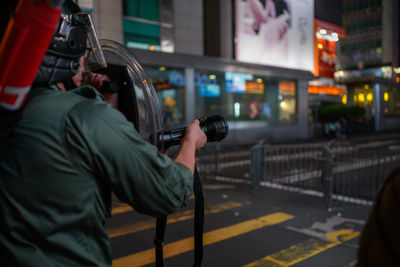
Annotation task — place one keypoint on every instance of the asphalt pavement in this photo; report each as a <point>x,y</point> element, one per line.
<point>270,227</point>
<point>267,228</point>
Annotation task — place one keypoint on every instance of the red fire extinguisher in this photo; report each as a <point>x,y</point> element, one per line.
<point>25,42</point>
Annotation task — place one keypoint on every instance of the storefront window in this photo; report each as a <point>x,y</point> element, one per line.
<point>244,97</point>
<point>287,101</point>
<point>169,84</point>
<point>391,99</point>
<point>210,93</point>
<point>363,96</point>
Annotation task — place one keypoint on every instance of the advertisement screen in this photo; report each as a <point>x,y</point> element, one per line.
<point>236,82</point>
<point>210,90</point>
<point>275,32</point>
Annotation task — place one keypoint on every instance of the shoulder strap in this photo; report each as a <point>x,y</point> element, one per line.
<point>198,219</point>
<point>159,240</point>
<point>198,226</point>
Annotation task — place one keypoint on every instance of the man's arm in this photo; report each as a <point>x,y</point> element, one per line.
<point>107,146</point>
<point>194,139</point>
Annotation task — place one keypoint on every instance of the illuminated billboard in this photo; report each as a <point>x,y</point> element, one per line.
<point>275,32</point>
<point>243,83</point>
<point>210,90</point>
<point>326,36</point>
<point>236,82</point>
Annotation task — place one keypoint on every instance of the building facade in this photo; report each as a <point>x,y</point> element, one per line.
<point>369,59</point>
<point>190,52</point>
<point>324,90</point>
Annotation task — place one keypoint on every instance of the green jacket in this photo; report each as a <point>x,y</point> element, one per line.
<point>66,155</point>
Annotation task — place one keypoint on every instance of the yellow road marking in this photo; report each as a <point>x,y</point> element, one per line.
<point>121,209</point>
<point>126,208</point>
<point>304,250</point>
<point>177,217</point>
<point>185,245</point>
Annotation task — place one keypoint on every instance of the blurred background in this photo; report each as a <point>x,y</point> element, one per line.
<point>284,70</point>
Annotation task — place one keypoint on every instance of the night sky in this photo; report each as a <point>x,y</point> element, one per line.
<point>329,10</point>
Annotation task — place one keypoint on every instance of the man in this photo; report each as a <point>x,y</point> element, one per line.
<point>64,156</point>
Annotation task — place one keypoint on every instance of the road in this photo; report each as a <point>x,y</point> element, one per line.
<point>272,227</point>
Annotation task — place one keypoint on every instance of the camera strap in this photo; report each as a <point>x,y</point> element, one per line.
<point>198,219</point>
<point>198,226</point>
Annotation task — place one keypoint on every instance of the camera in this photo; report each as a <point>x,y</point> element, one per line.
<point>214,126</point>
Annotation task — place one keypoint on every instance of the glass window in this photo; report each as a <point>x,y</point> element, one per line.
<point>363,96</point>
<point>141,24</point>
<point>145,9</point>
<point>287,101</point>
<point>391,99</point>
<point>244,97</point>
<point>210,93</point>
<point>169,84</point>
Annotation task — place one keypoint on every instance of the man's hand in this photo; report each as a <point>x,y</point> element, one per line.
<point>96,80</point>
<point>195,135</point>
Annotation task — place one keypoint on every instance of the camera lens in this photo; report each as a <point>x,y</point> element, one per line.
<point>215,127</point>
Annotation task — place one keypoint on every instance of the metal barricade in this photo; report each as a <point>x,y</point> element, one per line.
<point>359,175</point>
<point>342,176</point>
<point>291,165</point>
<point>225,163</point>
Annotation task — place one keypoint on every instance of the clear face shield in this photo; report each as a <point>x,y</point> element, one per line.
<point>137,99</point>
<point>94,47</point>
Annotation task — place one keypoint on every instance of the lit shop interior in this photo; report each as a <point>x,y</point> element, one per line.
<point>236,96</point>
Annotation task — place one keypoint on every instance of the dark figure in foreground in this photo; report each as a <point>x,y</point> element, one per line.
<point>65,154</point>
<point>379,242</point>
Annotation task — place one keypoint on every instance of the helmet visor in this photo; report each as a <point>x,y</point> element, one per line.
<point>94,44</point>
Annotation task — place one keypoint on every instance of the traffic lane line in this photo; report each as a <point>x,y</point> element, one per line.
<point>121,209</point>
<point>176,217</point>
<point>211,237</point>
<point>305,250</point>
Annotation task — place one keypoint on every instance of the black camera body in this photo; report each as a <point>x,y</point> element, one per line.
<point>214,126</point>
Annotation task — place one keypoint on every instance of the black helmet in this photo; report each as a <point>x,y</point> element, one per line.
<point>61,61</point>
